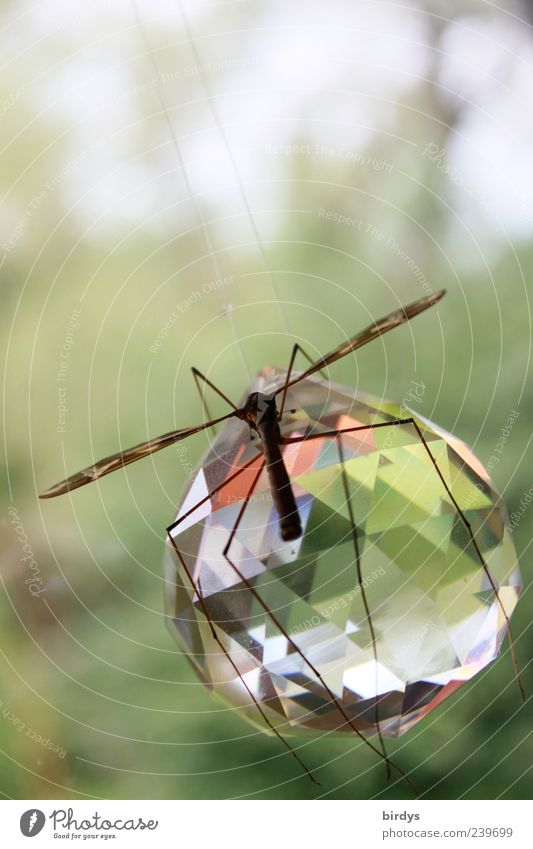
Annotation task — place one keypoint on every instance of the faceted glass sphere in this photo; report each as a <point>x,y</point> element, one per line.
<point>384,598</point>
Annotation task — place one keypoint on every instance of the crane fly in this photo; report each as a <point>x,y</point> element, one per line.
<point>263,412</point>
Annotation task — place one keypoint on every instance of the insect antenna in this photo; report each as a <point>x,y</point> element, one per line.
<point>201,382</point>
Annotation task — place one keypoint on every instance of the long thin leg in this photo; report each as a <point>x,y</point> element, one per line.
<point>198,376</point>
<point>295,348</point>
<point>362,591</point>
<point>288,440</point>
<point>214,492</point>
<point>287,636</point>
<point>197,588</point>
<point>411,421</point>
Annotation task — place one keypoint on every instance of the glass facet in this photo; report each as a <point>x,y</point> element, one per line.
<point>286,625</point>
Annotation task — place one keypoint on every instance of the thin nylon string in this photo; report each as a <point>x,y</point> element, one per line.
<point>201,219</point>
<point>240,182</point>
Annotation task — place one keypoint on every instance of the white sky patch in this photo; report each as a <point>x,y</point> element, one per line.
<point>197,493</point>
<point>491,64</point>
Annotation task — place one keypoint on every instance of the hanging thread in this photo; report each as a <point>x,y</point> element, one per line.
<point>217,275</point>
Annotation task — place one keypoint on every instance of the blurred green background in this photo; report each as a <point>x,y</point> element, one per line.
<point>383,149</point>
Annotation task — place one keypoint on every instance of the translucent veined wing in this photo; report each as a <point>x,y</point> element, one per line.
<point>394,319</point>
<point>123,458</point>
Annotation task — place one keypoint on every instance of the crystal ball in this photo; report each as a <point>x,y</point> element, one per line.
<point>382,608</point>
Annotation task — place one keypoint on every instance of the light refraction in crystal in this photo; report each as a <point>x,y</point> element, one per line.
<point>291,619</point>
